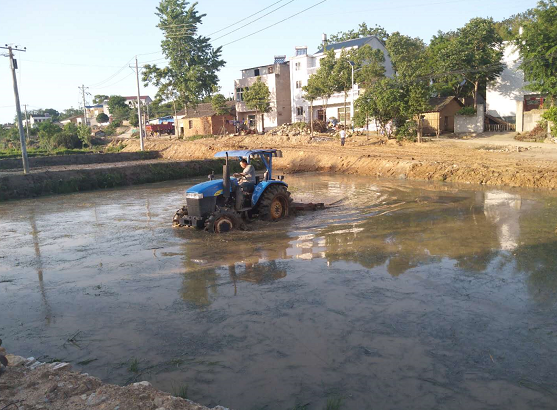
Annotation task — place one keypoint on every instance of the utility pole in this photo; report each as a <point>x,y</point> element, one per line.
<point>26,122</point>
<point>13,66</point>
<point>141,143</point>
<point>83,88</point>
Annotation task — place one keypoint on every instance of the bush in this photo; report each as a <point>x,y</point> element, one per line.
<point>408,130</point>
<point>551,115</point>
<point>467,111</point>
<point>102,118</point>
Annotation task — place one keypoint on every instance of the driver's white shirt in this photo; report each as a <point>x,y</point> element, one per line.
<point>248,174</point>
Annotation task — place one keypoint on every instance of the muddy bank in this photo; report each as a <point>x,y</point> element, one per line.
<point>433,161</point>
<point>76,179</point>
<point>28,384</point>
<point>55,160</point>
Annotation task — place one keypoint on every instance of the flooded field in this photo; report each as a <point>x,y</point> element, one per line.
<point>402,296</point>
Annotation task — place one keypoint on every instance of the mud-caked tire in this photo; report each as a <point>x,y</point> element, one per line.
<point>178,219</point>
<point>223,220</point>
<point>275,203</point>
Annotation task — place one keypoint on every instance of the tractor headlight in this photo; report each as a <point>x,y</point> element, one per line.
<point>194,195</point>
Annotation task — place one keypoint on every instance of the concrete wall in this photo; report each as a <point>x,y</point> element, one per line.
<point>464,124</point>
<point>503,94</point>
<point>531,119</point>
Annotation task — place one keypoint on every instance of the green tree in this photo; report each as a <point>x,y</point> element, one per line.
<point>70,112</point>
<point>323,77</point>
<point>385,102</point>
<point>408,56</point>
<point>362,31</point>
<point>258,98</point>
<point>509,28</point>
<point>369,65</point>
<point>312,91</point>
<point>134,119</point>
<point>475,52</point>
<point>102,118</point>
<point>538,49</point>
<point>115,102</point>
<point>342,75</point>
<point>218,102</point>
<point>193,63</point>
<point>100,98</point>
<point>84,134</point>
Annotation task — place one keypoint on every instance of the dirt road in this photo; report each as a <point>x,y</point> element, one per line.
<point>444,160</point>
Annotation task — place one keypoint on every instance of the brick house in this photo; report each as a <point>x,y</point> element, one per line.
<point>202,120</point>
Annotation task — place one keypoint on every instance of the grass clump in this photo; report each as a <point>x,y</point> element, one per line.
<point>180,391</point>
<point>333,403</point>
<point>133,367</point>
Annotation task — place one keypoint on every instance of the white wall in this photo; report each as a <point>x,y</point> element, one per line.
<point>464,124</point>
<point>504,92</point>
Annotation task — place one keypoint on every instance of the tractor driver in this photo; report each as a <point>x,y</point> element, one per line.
<point>246,179</point>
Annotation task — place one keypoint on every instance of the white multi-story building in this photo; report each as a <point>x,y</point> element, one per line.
<point>35,119</point>
<point>303,65</point>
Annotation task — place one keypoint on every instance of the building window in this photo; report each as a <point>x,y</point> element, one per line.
<point>341,114</point>
<point>298,84</point>
<point>240,93</point>
<point>299,111</point>
<point>256,72</point>
<point>297,66</point>
<point>301,51</point>
<point>190,124</point>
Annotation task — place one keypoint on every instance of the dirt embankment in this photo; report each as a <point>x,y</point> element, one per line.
<point>29,385</point>
<point>432,161</point>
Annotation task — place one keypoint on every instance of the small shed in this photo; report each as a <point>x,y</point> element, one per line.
<point>202,120</point>
<point>441,118</point>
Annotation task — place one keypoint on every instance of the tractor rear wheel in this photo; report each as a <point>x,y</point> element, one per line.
<point>223,220</point>
<point>275,203</point>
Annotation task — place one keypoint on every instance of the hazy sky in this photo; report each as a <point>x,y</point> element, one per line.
<point>71,43</point>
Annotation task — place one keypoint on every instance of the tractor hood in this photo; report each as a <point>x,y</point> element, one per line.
<point>210,188</point>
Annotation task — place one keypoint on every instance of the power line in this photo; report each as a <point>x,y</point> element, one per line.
<point>110,85</point>
<point>272,25</point>
<point>244,19</point>
<point>112,76</point>
<point>253,21</point>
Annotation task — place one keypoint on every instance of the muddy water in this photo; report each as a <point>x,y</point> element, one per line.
<point>402,296</point>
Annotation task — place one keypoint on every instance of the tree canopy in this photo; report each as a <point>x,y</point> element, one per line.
<point>362,31</point>
<point>258,98</point>
<point>99,98</point>
<point>538,49</point>
<point>193,63</point>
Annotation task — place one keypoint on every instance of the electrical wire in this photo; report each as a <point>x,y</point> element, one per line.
<point>244,19</point>
<point>272,25</point>
<point>117,82</point>
<point>96,85</point>
<point>253,21</point>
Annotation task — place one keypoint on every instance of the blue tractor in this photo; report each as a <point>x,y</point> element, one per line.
<point>222,205</point>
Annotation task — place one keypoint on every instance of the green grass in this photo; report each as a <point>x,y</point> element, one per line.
<point>180,391</point>
<point>300,407</point>
<point>333,403</point>
<point>86,362</point>
<point>37,152</point>
<point>133,367</point>
<point>198,137</point>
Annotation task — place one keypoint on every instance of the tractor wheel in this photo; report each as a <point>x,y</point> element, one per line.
<point>275,203</point>
<point>223,220</point>
<point>180,213</point>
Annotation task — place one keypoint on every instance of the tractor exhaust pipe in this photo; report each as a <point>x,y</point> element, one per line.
<point>226,179</point>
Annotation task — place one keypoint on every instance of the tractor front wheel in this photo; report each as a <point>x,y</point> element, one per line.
<point>223,220</point>
<point>275,203</point>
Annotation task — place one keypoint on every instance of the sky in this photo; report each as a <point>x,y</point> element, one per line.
<point>70,43</point>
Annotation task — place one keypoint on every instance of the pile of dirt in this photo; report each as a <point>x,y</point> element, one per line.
<point>27,384</point>
<point>432,161</point>
<point>291,130</point>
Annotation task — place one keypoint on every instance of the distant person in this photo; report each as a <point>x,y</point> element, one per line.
<point>342,137</point>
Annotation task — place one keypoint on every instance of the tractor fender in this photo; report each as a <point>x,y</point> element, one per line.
<point>261,187</point>
<point>211,188</point>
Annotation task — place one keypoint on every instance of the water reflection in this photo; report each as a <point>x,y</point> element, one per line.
<point>39,263</point>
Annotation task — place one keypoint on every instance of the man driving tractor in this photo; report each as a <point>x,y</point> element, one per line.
<point>246,179</point>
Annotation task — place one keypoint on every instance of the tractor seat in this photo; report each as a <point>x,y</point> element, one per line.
<point>249,188</point>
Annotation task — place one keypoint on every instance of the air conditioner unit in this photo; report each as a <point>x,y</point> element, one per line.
<point>270,70</point>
